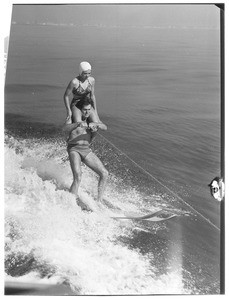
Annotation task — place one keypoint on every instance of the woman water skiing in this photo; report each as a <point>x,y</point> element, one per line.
<point>79,87</point>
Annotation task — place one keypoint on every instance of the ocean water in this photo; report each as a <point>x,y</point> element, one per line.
<point>158,90</point>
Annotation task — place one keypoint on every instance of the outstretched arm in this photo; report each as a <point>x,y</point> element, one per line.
<point>67,128</point>
<point>74,122</point>
<point>94,126</point>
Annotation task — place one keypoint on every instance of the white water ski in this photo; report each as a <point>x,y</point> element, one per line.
<point>87,204</point>
<point>154,216</point>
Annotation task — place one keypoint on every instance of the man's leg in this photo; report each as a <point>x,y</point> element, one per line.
<point>93,162</point>
<point>75,162</point>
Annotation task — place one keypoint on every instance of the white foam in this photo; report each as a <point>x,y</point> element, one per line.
<point>44,222</point>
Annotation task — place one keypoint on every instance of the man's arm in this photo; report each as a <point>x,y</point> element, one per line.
<point>97,125</point>
<point>94,127</point>
<point>67,128</point>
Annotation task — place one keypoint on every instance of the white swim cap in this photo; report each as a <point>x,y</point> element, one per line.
<point>84,66</point>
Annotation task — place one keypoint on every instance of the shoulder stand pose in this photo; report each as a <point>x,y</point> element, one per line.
<point>79,87</point>
<point>80,134</point>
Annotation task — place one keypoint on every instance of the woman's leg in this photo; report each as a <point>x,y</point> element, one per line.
<point>93,116</point>
<point>76,114</point>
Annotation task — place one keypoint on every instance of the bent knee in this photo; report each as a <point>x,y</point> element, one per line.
<point>105,173</point>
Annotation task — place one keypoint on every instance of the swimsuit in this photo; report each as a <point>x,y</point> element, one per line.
<point>83,150</point>
<point>79,92</point>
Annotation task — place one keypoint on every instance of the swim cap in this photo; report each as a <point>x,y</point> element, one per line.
<point>84,66</point>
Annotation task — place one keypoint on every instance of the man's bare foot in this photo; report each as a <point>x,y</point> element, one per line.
<point>83,205</point>
<point>99,206</point>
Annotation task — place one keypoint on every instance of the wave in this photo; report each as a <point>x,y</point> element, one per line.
<point>49,239</point>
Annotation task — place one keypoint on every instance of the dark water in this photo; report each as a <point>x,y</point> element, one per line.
<point>158,90</point>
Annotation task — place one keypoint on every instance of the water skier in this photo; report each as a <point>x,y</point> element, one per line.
<point>80,134</point>
<point>79,87</point>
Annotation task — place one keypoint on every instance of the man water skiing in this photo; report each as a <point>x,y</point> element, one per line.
<point>80,134</point>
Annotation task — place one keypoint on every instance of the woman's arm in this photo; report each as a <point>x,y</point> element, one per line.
<point>67,98</point>
<point>94,98</point>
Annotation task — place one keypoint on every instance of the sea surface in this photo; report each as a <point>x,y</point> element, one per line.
<point>158,91</point>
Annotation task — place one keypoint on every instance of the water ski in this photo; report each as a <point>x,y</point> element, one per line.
<point>157,216</point>
<point>90,206</point>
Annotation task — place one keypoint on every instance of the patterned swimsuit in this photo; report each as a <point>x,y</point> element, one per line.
<point>80,92</point>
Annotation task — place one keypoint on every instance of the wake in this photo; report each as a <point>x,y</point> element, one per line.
<point>49,238</point>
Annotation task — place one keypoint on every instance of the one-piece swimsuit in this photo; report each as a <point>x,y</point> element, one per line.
<point>80,92</point>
